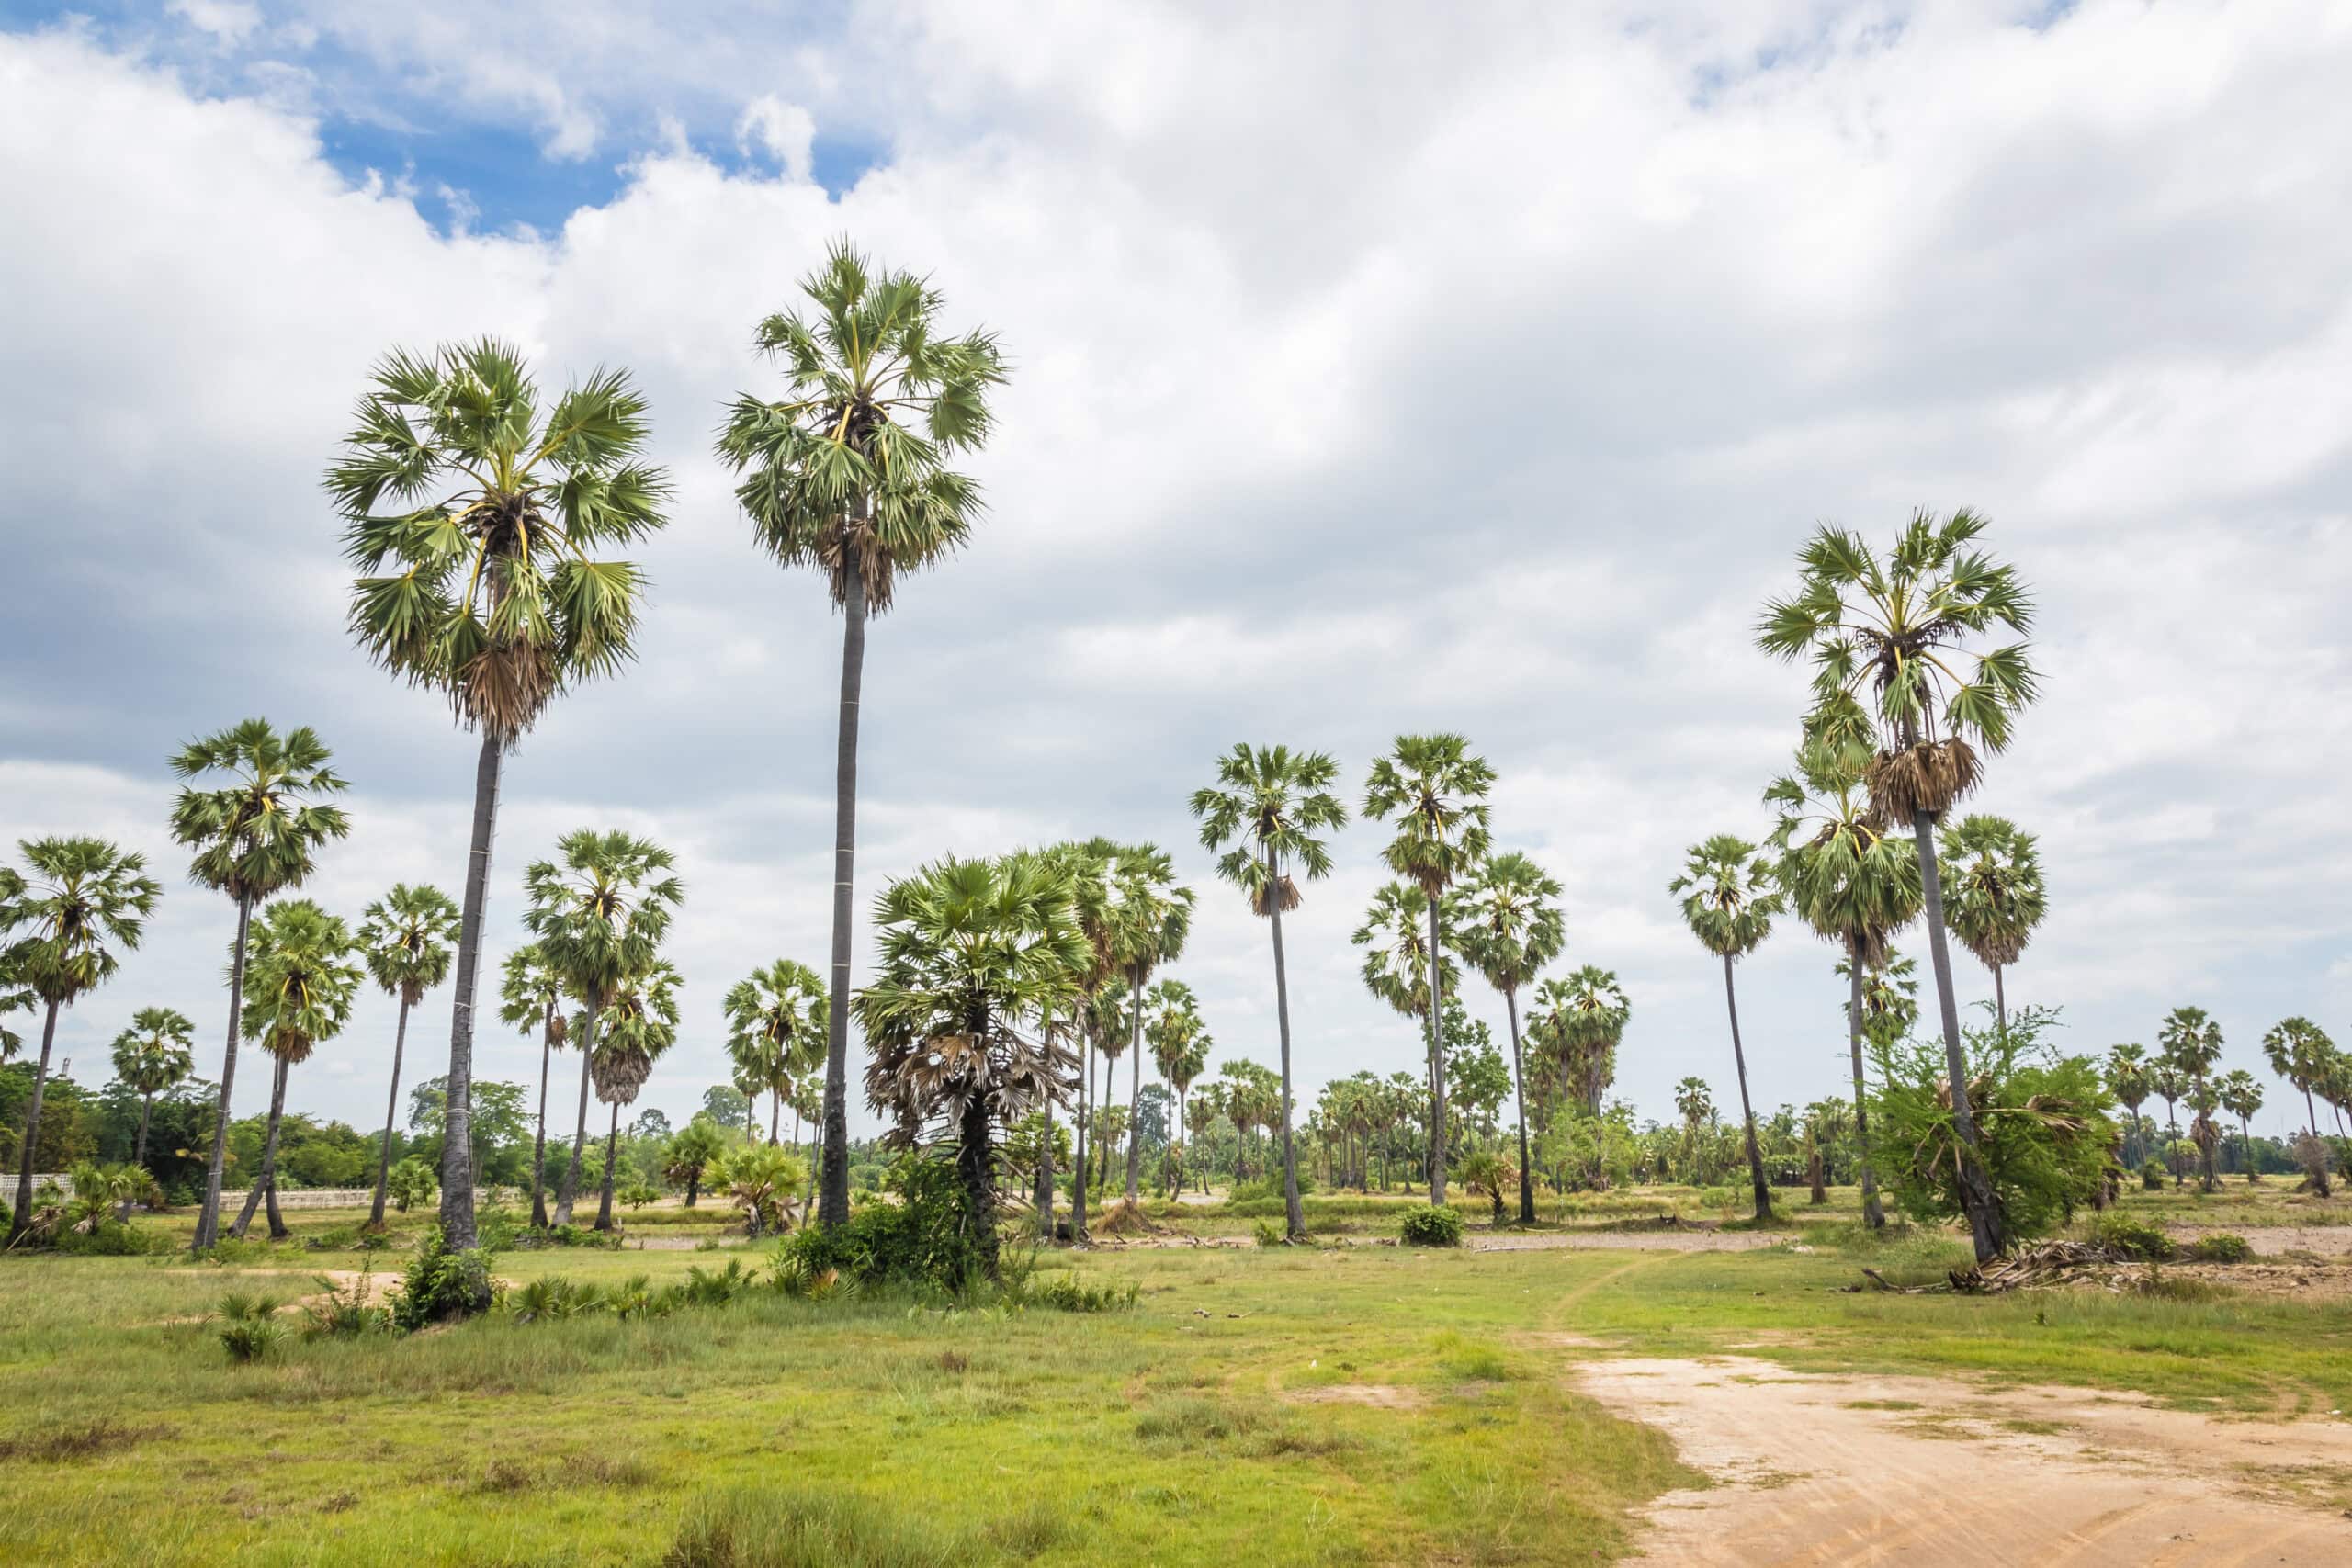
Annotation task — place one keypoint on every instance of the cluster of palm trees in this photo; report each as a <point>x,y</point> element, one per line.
<point>2184,1070</point>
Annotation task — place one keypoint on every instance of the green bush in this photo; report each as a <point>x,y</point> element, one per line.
<point>1438,1225</point>
<point>2221,1246</point>
<point>344,1312</point>
<point>1263,1188</point>
<point>2132,1238</point>
<point>866,1177</point>
<point>112,1240</point>
<point>921,1240</point>
<point>2152,1176</point>
<point>441,1284</point>
<point>1064,1292</point>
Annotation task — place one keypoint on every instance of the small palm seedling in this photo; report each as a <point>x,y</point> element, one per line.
<point>249,1328</point>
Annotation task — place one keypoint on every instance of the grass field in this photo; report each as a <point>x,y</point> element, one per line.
<point>1350,1404</point>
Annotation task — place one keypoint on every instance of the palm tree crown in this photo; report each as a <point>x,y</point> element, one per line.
<point>407,938</point>
<point>157,1052</point>
<point>1842,873</point>
<point>300,982</point>
<point>1436,789</point>
<point>531,994</point>
<point>1505,922</point>
<point>601,909</point>
<point>1729,895</point>
<point>84,903</point>
<point>1395,935</point>
<point>1993,893</point>
<point>776,1021</point>
<point>1269,803</point>
<point>255,835</point>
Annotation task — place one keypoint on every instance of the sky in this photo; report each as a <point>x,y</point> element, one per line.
<point>1374,371</point>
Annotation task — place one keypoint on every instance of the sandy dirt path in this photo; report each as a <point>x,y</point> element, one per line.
<point>1813,1469</point>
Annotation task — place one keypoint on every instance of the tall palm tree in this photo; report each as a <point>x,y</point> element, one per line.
<point>2192,1042</point>
<point>1398,966</point>
<point>531,1000</point>
<point>1729,899</point>
<point>2300,1051</point>
<point>1505,923</point>
<point>2241,1096</point>
<point>2127,1077</point>
<point>974,953</point>
<point>256,837</point>
<point>1090,866</point>
<point>2170,1084</point>
<point>1851,883</point>
<point>67,919</point>
<point>156,1053</point>
<point>1171,1015</point>
<point>1993,895</point>
<point>404,939</point>
<point>1695,1103</point>
<point>1578,1024</point>
<point>1436,789</point>
<point>474,518</point>
<point>300,984</point>
<point>1905,627</point>
<point>846,473</point>
<point>1180,1049</point>
<point>636,1022</point>
<point>599,911</point>
<point>1153,915</point>
<point>775,1022</point>
<point>1269,802</point>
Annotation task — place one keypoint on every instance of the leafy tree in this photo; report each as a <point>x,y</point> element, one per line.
<point>775,1022</point>
<point>599,911</point>
<point>531,1000</point>
<point>1992,894</point>
<point>729,1108</point>
<point>2192,1042</point>
<point>155,1055</point>
<point>1436,790</point>
<point>1903,628</point>
<point>65,919</point>
<point>472,518</point>
<point>404,939</point>
<point>689,1153</point>
<point>972,952</point>
<point>637,1021</point>
<point>253,838</point>
<point>1730,899</point>
<point>299,984</point>
<point>1269,803</point>
<point>846,474</point>
<point>500,1127</point>
<point>2300,1051</point>
<point>1505,923</point>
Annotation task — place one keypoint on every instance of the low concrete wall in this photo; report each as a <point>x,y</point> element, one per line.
<point>316,1197</point>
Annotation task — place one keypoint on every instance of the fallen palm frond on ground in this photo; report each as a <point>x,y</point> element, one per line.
<point>2027,1267</point>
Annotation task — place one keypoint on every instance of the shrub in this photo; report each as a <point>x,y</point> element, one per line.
<point>1438,1225</point>
<point>249,1326</point>
<point>2221,1246</point>
<point>919,1240</point>
<point>764,1180</point>
<point>109,1239</point>
<point>442,1284</point>
<point>1267,1235</point>
<point>1260,1188</point>
<point>637,1195</point>
<point>866,1177</point>
<point>344,1312</point>
<point>2152,1176</point>
<point>2132,1238</point>
<point>411,1183</point>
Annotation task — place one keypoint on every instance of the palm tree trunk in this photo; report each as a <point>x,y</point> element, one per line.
<point>384,1158</point>
<point>208,1219</point>
<point>832,1203</point>
<point>1078,1155</point>
<point>775,1115</point>
<point>2245,1149</point>
<point>265,1183</point>
<point>24,1209</point>
<point>1043,1194</point>
<point>1518,1085</point>
<point>2000,1002</point>
<point>976,1163</point>
<point>1975,1186</point>
<point>1437,1056</point>
<point>1739,1062</point>
<point>1135,1091</point>
<point>1294,1211</point>
<point>568,1190</point>
<point>539,1140</point>
<point>612,1147</point>
<point>139,1148</point>
<point>1874,1213</point>
<point>457,1115</point>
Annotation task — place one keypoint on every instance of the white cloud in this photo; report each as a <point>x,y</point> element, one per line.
<point>785,133</point>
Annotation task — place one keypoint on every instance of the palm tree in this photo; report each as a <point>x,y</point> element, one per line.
<point>1269,803</point>
<point>1153,916</point>
<point>63,917</point>
<point>689,1153</point>
<point>1993,895</point>
<point>635,1021</point>
<point>1506,924</point>
<point>154,1055</point>
<point>775,1022</point>
<point>2127,1077</point>
<point>839,477</point>
<point>404,939</point>
<point>1696,1105</point>
<point>1180,1050</point>
<point>1904,626</point>
<point>472,520</point>
<point>2241,1096</point>
<point>1851,883</point>
<point>2301,1052</point>
<point>2170,1083</point>
<point>599,913</point>
<point>2192,1042</point>
<point>253,838</point>
<point>1436,789</point>
<point>531,1000</point>
<point>1090,866</point>
<point>1397,968</point>
<point>1577,1023</point>
<point>972,952</point>
<point>1730,900</point>
<point>302,984</point>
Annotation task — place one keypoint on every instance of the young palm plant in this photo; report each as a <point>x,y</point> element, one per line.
<point>775,1022</point>
<point>2192,1042</point>
<point>1269,803</point>
<point>300,984</point>
<point>1505,923</point>
<point>66,917</point>
<point>846,474</point>
<point>1993,895</point>
<point>1436,790</point>
<point>531,998</point>
<point>637,1020</point>
<point>473,516</point>
<point>405,938</point>
<point>599,911</point>
<point>1400,964</point>
<point>253,838</point>
<point>1908,627</point>
<point>1852,884</point>
<point>1729,901</point>
<point>1154,914</point>
<point>155,1053</point>
<point>974,953</point>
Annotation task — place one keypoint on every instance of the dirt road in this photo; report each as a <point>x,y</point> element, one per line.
<point>1924,1471</point>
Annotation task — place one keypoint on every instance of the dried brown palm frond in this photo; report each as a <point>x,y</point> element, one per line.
<point>1281,893</point>
<point>504,688</point>
<point>619,1071</point>
<point>1928,776</point>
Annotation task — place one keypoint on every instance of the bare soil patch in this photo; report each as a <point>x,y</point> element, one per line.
<point>2269,1241</point>
<point>1688,1238</point>
<point>1818,1469</point>
<point>1378,1395</point>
